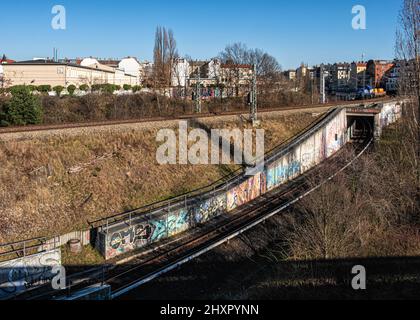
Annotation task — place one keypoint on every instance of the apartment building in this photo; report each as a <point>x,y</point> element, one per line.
<point>376,70</point>
<point>47,72</point>
<point>340,76</point>
<point>180,73</point>
<point>358,75</point>
<point>234,78</point>
<point>290,74</point>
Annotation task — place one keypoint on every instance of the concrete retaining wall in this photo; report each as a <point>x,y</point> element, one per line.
<point>301,154</point>
<point>20,274</point>
<point>294,159</point>
<point>298,156</point>
<point>59,241</point>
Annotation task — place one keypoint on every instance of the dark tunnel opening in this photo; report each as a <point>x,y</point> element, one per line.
<point>360,127</point>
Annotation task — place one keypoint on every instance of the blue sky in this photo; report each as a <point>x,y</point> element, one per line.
<point>294,31</point>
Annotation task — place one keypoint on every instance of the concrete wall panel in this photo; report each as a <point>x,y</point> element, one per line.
<point>322,142</point>
<point>19,274</point>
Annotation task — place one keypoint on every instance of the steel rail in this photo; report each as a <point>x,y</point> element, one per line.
<point>78,125</point>
<point>231,234</point>
<point>164,250</point>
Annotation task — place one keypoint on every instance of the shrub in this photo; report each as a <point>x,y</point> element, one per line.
<point>136,88</point>
<point>58,90</point>
<point>105,88</point>
<point>126,87</point>
<point>23,108</point>
<point>17,87</point>
<point>71,89</point>
<point>3,116</point>
<point>96,87</point>
<point>44,88</point>
<point>84,87</point>
<point>108,88</point>
<point>32,88</point>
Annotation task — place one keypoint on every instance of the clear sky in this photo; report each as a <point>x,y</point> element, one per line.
<point>294,31</point>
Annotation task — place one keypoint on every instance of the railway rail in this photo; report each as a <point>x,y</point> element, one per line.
<point>250,216</point>
<point>144,267</point>
<point>39,128</point>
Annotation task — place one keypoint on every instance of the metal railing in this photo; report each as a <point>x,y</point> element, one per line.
<point>222,185</point>
<point>21,249</point>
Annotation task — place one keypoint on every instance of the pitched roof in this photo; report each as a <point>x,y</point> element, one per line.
<point>233,65</point>
<point>55,63</point>
<point>6,61</point>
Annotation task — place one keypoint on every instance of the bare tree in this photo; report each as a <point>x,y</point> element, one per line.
<point>408,54</point>
<point>238,54</point>
<point>165,52</point>
<point>172,53</point>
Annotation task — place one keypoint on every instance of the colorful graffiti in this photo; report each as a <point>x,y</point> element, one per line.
<point>282,171</point>
<point>18,275</point>
<point>245,192</point>
<point>129,239</point>
<point>389,114</point>
<point>335,132</point>
<point>209,209</point>
<point>142,234</point>
<point>178,222</point>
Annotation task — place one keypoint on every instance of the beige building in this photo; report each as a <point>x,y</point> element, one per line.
<point>358,75</point>
<point>43,72</point>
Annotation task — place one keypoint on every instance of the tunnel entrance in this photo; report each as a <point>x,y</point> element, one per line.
<point>362,122</point>
<point>360,127</point>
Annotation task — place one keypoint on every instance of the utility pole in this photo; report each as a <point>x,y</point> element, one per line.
<point>254,102</point>
<point>364,71</point>
<point>312,87</point>
<point>322,85</point>
<point>198,92</point>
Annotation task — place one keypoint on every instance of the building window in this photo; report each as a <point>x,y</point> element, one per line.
<point>60,70</point>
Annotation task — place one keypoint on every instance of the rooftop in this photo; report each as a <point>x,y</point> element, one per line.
<point>6,61</point>
<point>48,62</point>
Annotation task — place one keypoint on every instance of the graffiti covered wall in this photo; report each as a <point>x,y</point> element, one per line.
<point>144,233</point>
<point>321,142</point>
<point>245,192</point>
<point>19,274</point>
<point>313,150</point>
<point>390,113</point>
<point>283,170</point>
<point>209,209</point>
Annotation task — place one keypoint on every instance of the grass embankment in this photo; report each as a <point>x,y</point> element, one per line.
<point>56,184</point>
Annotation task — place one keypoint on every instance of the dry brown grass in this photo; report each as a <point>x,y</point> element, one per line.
<point>38,195</point>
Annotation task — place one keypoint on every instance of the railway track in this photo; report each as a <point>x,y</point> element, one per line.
<point>40,128</point>
<point>249,216</point>
<point>159,260</point>
<point>143,266</point>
